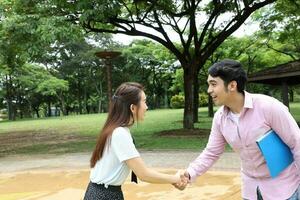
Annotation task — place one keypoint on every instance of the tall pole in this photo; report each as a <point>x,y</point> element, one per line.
<point>108,78</point>
<point>108,56</point>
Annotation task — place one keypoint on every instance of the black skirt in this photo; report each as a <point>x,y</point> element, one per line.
<point>99,192</point>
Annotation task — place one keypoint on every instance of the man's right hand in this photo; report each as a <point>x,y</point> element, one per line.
<point>185,177</point>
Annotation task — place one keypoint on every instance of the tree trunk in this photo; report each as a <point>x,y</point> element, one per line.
<point>291,95</point>
<point>100,94</point>
<point>196,98</point>
<point>188,121</point>
<point>62,104</point>
<point>36,109</point>
<point>210,107</point>
<point>85,98</point>
<point>285,93</point>
<point>100,106</point>
<point>165,96</point>
<point>10,108</point>
<point>19,106</point>
<point>79,104</point>
<point>49,108</point>
<point>8,96</point>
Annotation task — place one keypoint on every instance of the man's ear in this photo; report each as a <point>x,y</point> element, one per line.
<point>232,86</point>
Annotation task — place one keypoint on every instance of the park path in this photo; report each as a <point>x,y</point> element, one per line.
<point>161,159</point>
<point>60,177</point>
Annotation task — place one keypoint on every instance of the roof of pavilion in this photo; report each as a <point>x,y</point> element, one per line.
<point>289,72</point>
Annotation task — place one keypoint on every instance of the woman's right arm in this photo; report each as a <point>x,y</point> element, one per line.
<point>146,174</point>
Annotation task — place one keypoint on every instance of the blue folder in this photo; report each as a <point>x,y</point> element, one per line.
<point>277,154</point>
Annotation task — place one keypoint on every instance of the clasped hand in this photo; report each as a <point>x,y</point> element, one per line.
<point>184,180</point>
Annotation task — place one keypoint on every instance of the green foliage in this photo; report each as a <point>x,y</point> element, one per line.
<point>99,11</point>
<point>198,38</point>
<point>177,101</point>
<point>177,82</point>
<point>150,64</point>
<point>251,51</point>
<point>50,32</point>
<point>280,25</point>
<point>52,87</point>
<point>296,91</point>
<point>27,36</point>
<point>30,76</point>
<point>203,99</point>
<point>63,31</point>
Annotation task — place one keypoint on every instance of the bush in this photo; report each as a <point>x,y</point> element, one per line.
<point>177,101</point>
<point>3,111</point>
<point>3,114</point>
<point>203,99</point>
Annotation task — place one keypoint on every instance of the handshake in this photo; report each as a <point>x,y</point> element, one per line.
<point>184,179</point>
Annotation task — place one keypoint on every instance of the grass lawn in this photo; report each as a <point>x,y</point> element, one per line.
<point>295,110</point>
<point>78,133</point>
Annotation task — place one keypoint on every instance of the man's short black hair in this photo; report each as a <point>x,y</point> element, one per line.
<point>229,70</point>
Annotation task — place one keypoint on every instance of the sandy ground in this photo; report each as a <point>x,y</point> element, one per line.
<point>65,177</point>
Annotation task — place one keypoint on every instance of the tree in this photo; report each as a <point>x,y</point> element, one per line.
<point>13,42</point>
<point>37,86</point>
<point>151,64</point>
<point>218,20</point>
<point>25,37</point>
<point>280,24</point>
<point>200,26</point>
<point>54,87</point>
<point>81,68</point>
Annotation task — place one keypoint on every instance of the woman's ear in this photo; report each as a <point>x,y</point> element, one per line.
<point>132,108</point>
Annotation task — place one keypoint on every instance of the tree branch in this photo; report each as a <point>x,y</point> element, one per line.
<point>161,29</point>
<point>134,32</point>
<point>239,20</point>
<point>193,29</point>
<point>147,12</point>
<point>128,10</point>
<point>211,17</point>
<point>180,33</point>
<point>237,7</point>
<point>279,51</point>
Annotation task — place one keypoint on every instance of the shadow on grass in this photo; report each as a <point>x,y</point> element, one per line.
<point>41,142</point>
<point>200,133</point>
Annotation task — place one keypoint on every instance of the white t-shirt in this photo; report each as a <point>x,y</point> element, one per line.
<point>111,168</point>
<point>235,117</point>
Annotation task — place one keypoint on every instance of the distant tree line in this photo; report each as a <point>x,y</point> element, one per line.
<point>47,58</point>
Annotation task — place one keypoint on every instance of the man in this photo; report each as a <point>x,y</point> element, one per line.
<point>240,121</point>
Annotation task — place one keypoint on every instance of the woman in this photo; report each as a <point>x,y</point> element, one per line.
<point>115,153</point>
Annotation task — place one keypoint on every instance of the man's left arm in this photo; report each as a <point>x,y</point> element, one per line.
<point>283,123</point>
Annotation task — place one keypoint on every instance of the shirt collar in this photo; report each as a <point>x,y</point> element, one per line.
<point>248,103</point>
<point>248,100</point>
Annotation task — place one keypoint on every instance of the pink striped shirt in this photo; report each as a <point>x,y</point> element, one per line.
<point>260,114</point>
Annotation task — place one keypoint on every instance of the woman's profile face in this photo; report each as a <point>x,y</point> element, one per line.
<point>141,110</point>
